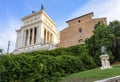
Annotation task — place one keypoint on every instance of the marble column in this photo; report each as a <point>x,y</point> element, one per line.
<point>28,39</point>
<point>17,41</point>
<point>49,37</point>
<point>46,36</point>
<point>38,34</point>
<point>35,35</point>
<point>21,40</point>
<point>24,38</point>
<point>33,32</point>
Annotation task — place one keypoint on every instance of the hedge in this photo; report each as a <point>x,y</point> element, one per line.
<point>44,66</point>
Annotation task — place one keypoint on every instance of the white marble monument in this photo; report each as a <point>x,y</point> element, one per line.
<point>105,61</point>
<point>38,32</point>
<point>104,58</point>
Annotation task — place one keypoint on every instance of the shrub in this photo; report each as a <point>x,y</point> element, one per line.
<point>44,66</point>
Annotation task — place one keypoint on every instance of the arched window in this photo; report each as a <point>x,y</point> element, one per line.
<point>80,41</point>
<point>80,30</point>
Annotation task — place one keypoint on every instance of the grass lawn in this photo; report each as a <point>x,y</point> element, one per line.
<point>92,75</point>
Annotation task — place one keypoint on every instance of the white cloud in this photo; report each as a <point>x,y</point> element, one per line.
<point>101,8</point>
<point>9,34</point>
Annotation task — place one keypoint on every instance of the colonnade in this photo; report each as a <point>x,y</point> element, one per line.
<point>48,37</point>
<point>30,36</point>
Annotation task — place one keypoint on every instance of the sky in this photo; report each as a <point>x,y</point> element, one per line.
<point>59,10</point>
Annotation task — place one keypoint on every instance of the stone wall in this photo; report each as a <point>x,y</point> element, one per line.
<point>78,30</point>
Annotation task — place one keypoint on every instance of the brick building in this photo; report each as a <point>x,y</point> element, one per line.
<point>79,29</point>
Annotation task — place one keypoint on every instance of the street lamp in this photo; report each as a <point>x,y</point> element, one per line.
<point>8,47</point>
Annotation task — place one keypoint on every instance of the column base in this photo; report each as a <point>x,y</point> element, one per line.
<point>34,48</point>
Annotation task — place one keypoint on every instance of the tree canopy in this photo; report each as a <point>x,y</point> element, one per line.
<point>109,36</point>
<point>1,51</point>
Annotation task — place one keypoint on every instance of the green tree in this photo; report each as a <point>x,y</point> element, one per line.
<point>102,35</point>
<point>1,51</point>
<point>115,29</point>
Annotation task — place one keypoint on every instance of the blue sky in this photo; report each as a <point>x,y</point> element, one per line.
<point>59,10</point>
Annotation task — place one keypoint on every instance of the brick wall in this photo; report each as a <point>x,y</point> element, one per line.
<point>78,30</point>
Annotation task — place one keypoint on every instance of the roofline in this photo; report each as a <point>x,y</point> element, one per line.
<point>38,12</point>
<point>100,18</point>
<point>35,13</point>
<point>49,17</point>
<point>63,29</point>
<point>80,17</point>
<point>18,30</point>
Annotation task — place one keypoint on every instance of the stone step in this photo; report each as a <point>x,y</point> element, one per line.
<point>111,79</point>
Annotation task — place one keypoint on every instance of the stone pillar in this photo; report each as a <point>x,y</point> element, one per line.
<point>17,40</point>
<point>24,38</point>
<point>38,34</point>
<point>28,39</point>
<point>21,41</point>
<point>49,37</point>
<point>105,61</point>
<point>33,32</point>
<point>46,36</point>
<point>36,31</point>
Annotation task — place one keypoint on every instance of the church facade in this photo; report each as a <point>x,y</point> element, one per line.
<point>37,33</point>
<point>79,29</point>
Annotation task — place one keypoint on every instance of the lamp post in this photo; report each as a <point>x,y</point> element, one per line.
<point>8,47</point>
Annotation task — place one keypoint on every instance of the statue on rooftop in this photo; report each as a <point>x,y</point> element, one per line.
<point>42,7</point>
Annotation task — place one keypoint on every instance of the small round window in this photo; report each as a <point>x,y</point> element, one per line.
<point>78,20</point>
